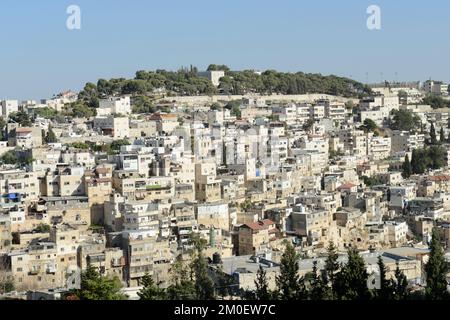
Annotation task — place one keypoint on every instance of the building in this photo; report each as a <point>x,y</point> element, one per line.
<point>114,106</point>
<point>255,237</point>
<point>213,76</point>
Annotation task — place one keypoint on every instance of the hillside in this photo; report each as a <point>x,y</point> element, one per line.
<point>186,82</point>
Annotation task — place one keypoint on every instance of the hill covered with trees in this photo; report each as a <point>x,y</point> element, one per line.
<point>187,82</point>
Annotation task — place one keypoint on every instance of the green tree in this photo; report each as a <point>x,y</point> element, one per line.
<point>182,286</point>
<point>290,285</point>
<point>369,125</point>
<point>433,138</point>
<point>96,287</point>
<point>80,110</point>
<point>43,228</point>
<point>307,126</point>
<point>436,270</point>
<point>400,285</point>
<point>319,290</point>
<point>406,168</point>
<point>46,113</point>
<point>204,285</point>
<point>51,136</point>
<point>332,265</point>
<point>21,118</point>
<point>10,157</point>
<point>351,281</point>
<point>404,120</point>
<point>150,290</point>
<point>2,129</point>
<point>385,291</point>
<point>436,102</point>
<point>215,67</point>
<point>442,136</point>
<point>262,285</point>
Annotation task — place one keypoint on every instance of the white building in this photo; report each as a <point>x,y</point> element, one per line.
<point>8,107</point>
<point>114,105</point>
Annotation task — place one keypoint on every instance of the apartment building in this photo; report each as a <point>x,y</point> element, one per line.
<point>114,105</point>
<point>255,237</point>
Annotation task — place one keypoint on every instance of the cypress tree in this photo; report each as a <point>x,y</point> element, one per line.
<point>290,285</point>
<point>407,168</point>
<point>151,291</point>
<point>442,136</point>
<point>204,285</point>
<point>414,163</point>
<point>433,138</point>
<point>385,291</point>
<point>318,288</point>
<point>351,281</point>
<point>51,136</point>
<point>436,270</point>
<point>400,285</point>
<point>262,285</point>
<point>331,265</point>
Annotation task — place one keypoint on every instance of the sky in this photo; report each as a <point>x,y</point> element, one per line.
<point>40,57</point>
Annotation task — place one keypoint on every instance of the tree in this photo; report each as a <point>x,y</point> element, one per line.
<point>331,264</point>
<point>433,138</point>
<point>216,106</point>
<point>351,281</point>
<point>442,136</point>
<point>318,289</point>
<point>406,168</point>
<point>80,110</point>
<point>214,67</point>
<point>21,118</point>
<point>404,120</point>
<point>43,228</point>
<point>150,290</point>
<point>385,291</point>
<point>399,285</point>
<point>10,157</point>
<point>204,285</point>
<point>436,102</point>
<point>290,285</point>
<point>182,286</point>
<point>2,129</point>
<point>307,126</point>
<point>262,285</point>
<point>51,136</point>
<point>96,287</point>
<point>436,270</point>
<point>369,125</point>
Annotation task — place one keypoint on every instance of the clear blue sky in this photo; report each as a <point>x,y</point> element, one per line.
<point>40,57</point>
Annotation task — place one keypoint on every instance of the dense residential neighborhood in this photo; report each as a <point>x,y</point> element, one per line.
<point>227,185</point>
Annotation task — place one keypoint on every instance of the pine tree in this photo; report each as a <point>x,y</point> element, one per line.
<point>150,290</point>
<point>433,138</point>
<point>332,265</point>
<point>436,270</point>
<point>204,285</point>
<point>407,168</point>
<point>182,286</point>
<point>318,289</point>
<point>290,285</point>
<point>262,285</point>
<point>351,281</point>
<point>385,291</point>
<point>442,136</point>
<point>400,285</point>
<point>96,287</point>
<point>51,136</point>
